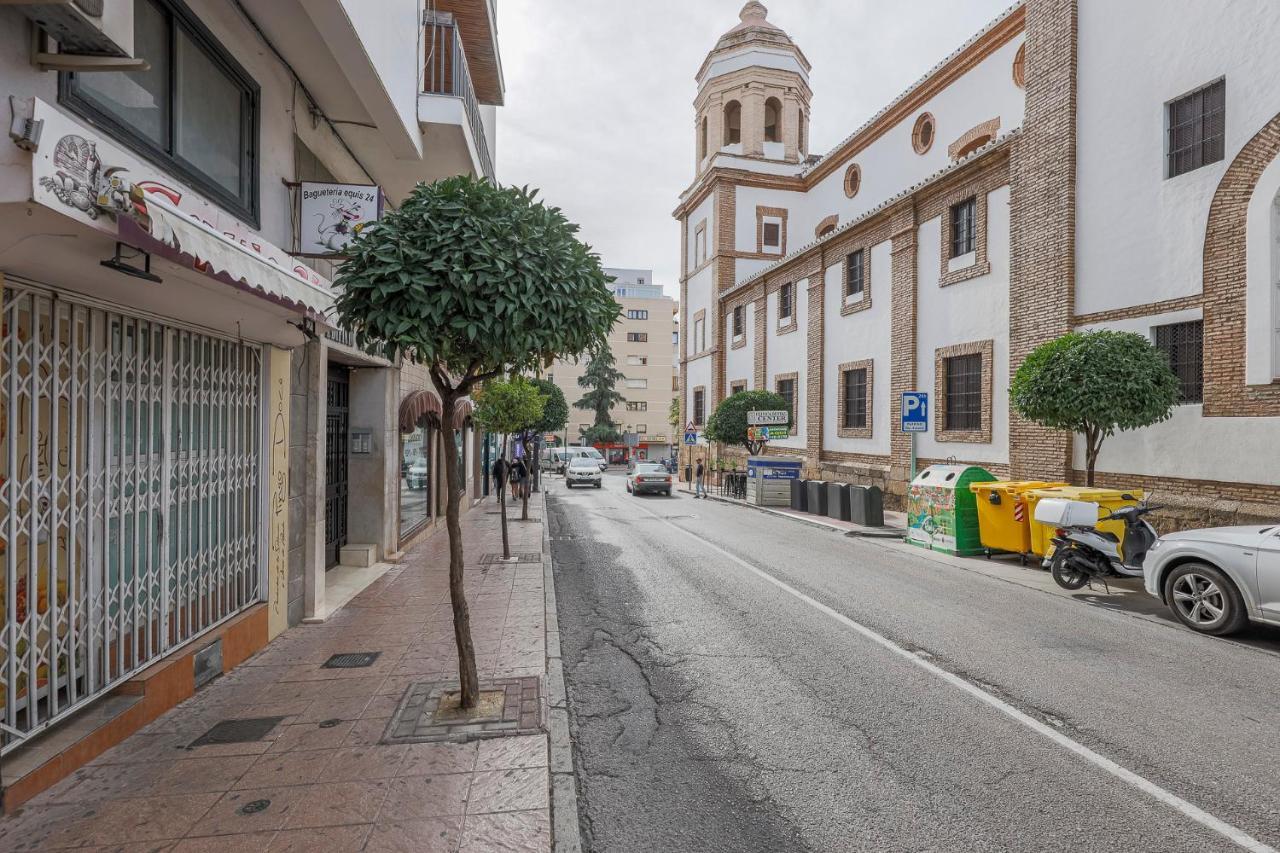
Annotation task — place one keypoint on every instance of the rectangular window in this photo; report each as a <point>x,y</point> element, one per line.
<point>963,376</point>
<point>637,406</point>
<point>637,360</point>
<point>699,405</point>
<point>739,320</point>
<point>699,335</point>
<point>735,387</point>
<point>1183,344</point>
<point>700,246</point>
<point>642,428</point>
<point>785,298</point>
<point>854,272</point>
<point>637,383</point>
<point>787,388</point>
<point>964,227</point>
<point>194,112</point>
<point>637,337</point>
<point>772,235</point>
<point>637,314</point>
<point>855,398</point>
<point>1197,129</point>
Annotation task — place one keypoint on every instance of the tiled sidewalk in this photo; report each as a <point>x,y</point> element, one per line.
<point>319,780</point>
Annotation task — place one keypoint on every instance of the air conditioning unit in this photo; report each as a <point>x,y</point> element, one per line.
<point>83,28</point>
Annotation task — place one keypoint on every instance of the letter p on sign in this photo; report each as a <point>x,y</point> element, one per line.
<point>915,411</point>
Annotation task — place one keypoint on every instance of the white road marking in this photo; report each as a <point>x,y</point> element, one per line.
<point>1190,810</point>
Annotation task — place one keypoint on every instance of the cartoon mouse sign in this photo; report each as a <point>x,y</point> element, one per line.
<point>331,214</point>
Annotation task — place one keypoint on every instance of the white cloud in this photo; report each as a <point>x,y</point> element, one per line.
<point>599,106</point>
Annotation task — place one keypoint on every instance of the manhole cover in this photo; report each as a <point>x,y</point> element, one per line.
<point>527,557</point>
<point>238,731</point>
<point>351,660</point>
<point>254,806</point>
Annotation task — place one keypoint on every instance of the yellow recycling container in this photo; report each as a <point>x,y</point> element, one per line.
<point>1106,499</point>
<point>1004,518</point>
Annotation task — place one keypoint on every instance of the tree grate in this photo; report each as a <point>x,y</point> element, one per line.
<point>350,660</point>
<point>237,731</point>
<point>525,557</point>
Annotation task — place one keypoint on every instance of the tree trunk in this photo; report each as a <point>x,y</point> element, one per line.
<point>1093,444</point>
<point>469,686</point>
<point>502,504</point>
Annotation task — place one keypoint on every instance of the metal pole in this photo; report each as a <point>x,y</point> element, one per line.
<point>913,457</point>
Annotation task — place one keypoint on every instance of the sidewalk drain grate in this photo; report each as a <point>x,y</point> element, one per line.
<point>253,807</point>
<point>526,557</point>
<point>509,707</point>
<point>350,660</point>
<point>237,731</point>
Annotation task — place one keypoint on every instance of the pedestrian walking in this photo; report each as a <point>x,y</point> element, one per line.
<point>499,474</point>
<point>519,477</point>
<point>699,477</point>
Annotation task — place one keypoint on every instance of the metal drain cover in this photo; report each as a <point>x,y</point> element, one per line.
<point>351,660</point>
<point>528,557</point>
<point>238,731</point>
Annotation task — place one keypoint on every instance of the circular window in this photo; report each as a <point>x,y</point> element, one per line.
<point>852,180</point>
<point>1020,67</point>
<point>923,133</point>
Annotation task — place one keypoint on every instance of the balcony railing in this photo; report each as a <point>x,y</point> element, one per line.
<point>447,73</point>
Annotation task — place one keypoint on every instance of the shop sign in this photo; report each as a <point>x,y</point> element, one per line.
<point>771,417</point>
<point>330,215</point>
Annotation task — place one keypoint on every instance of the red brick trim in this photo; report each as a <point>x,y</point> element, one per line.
<point>700,230</point>
<point>1020,67</point>
<point>1131,312</point>
<point>852,180</point>
<point>981,265</point>
<point>827,222</point>
<point>736,341</point>
<point>794,376</point>
<point>706,404</point>
<point>776,213</point>
<point>847,308</point>
<point>919,143</point>
<point>982,435</point>
<point>855,432</point>
<point>761,341</point>
<point>737,385</point>
<point>974,138</point>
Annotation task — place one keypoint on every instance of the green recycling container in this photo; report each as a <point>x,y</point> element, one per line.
<point>942,512</point>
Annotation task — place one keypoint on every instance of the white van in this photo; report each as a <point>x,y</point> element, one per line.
<point>556,459</point>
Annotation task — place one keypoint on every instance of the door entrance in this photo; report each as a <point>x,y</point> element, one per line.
<point>335,464</point>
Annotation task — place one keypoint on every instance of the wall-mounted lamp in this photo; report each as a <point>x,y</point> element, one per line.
<point>117,262</point>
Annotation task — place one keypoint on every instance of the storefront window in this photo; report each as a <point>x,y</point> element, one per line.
<point>415,478</point>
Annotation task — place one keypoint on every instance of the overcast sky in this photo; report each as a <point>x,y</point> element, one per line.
<point>599,109</point>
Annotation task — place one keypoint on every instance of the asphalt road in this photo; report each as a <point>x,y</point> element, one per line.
<point>743,682</point>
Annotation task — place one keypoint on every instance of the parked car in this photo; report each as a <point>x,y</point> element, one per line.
<point>418,474</point>
<point>649,477</point>
<point>1217,579</point>
<point>582,470</point>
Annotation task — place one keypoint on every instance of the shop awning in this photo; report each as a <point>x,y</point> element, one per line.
<point>461,411</point>
<point>183,240</point>
<point>415,406</point>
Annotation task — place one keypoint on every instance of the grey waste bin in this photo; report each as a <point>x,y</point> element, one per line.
<point>799,495</point>
<point>817,491</point>
<point>866,506</point>
<point>838,501</point>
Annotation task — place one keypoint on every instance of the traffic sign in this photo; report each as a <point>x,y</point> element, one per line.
<point>772,417</point>
<point>915,411</point>
<point>690,437</point>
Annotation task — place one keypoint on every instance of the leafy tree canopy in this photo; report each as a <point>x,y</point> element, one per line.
<point>555,414</point>
<point>728,423</point>
<point>673,414</point>
<point>1095,383</point>
<point>601,378</point>
<point>475,280</point>
<point>508,406</point>
<point>601,434</point>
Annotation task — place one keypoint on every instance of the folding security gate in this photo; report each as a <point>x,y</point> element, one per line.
<point>129,504</point>
<point>335,463</point>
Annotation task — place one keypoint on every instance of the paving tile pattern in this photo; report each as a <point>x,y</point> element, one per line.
<point>415,721</point>
<point>321,779</point>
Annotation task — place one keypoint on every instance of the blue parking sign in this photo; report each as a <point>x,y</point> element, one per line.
<point>915,411</point>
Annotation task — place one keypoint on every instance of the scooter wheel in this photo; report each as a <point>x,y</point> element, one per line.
<point>1064,574</point>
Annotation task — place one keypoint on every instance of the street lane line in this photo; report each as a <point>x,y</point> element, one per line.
<point>1195,813</point>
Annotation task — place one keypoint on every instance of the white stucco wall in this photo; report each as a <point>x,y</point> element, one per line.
<point>699,299</point>
<point>855,337</point>
<point>746,199</point>
<point>699,375</point>
<point>740,363</point>
<point>789,353</point>
<point>1140,236</point>
<point>391,38</point>
<point>974,310</point>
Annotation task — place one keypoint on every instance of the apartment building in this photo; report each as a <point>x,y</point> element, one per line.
<point>641,343</point>
<point>1049,175</point>
<point>193,448</point>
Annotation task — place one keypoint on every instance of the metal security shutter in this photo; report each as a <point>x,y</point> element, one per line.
<point>130,500</point>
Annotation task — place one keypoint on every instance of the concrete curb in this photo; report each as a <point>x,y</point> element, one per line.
<point>566,834</point>
<point>868,533</point>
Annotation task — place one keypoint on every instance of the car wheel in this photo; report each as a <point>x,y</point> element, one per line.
<point>1204,599</point>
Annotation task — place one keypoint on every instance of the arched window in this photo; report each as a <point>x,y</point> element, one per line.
<point>772,120</point>
<point>852,180</point>
<point>702,140</point>
<point>732,123</point>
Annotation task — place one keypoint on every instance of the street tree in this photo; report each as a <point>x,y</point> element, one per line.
<point>508,407</point>
<point>1095,383</point>
<point>601,434</point>
<point>473,281</point>
<point>673,415</point>
<point>601,380</point>
<point>555,416</point>
<point>728,423</point>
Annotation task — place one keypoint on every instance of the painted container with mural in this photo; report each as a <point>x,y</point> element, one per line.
<point>942,513</point>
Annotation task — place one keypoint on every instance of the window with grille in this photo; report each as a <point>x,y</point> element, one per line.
<point>964,392</point>
<point>637,337</point>
<point>637,406</point>
<point>772,234</point>
<point>1197,129</point>
<point>964,227</point>
<point>637,314</point>
<point>735,387</point>
<point>785,298</point>
<point>739,320</point>
<point>855,398</point>
<point>787,388</point>
<point>699,406</point>
<point>854,273</point>
<point>1183,345</point>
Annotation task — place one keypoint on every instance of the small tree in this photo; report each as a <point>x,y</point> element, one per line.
<point>673,416</point>
<point>601,379</point>
<point>555,416</point>
<point>473,281</point>
<point>1095,383</point>
<point>507,407</point>
<point>601,434</point>
<point>728,424</point>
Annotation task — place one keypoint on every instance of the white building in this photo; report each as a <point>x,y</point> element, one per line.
<point>1059,171</point>
<point>190,443</point>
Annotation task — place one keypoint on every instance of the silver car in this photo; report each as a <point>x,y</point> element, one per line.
<point>582,470</point>
<point>1217,579</point>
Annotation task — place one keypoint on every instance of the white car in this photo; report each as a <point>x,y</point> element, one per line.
<point>1217,579</point>
<point>582,470</point>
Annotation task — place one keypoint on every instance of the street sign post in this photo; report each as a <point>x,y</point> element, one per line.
<point>915,418</point>
<point>691,437</point>
<point>769,417</point>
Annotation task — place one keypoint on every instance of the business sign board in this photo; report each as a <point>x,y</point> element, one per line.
<point>770,417</point>
<point>773,468</point>
<point>915,411</point>
<point>330,215</point>
<point>765,433</point>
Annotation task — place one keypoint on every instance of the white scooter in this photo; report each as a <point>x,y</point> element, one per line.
<point>1082,552</point>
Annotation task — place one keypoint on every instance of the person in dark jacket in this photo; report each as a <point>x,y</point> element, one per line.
<point>519,477</point>
<point>699,476</point>
<point>499,474</point>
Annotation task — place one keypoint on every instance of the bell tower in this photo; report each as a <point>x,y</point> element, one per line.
<point>753,97</point>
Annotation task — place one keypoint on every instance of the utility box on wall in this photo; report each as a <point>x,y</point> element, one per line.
<point>769,480</point>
